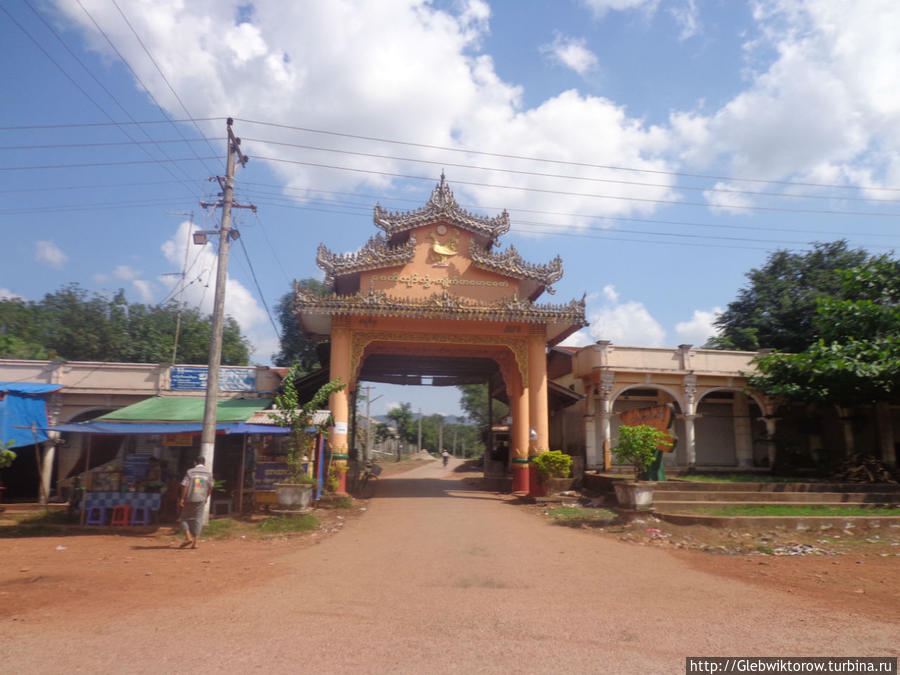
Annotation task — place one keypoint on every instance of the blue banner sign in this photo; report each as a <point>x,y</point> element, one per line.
<point>193,378</point>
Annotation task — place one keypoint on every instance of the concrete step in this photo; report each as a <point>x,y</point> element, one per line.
<point>695,486</point>
<point>776,497</point>
<point>674,506</point>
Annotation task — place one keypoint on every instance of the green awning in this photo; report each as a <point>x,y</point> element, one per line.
<point>184,409</point>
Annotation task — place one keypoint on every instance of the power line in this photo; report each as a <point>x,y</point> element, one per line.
<point>79,125</point>
<point>258,289</point>
<point>592,179</point>
<point>134,74</point>
<point>565,162</point>
<point>165,79</point>
<point>672,202</point>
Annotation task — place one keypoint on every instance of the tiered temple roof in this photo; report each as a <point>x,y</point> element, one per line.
<point>377,253</point>
<point>442,306</point>
<point>510,263</point>
<point>442,207</point>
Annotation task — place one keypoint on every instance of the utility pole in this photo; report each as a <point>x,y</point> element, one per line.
<point>367,452</point>
<point>420,431</point>
<point>208,435</point>
<point>441,436</point>
<point>454,441</point>
<point>183,275</point>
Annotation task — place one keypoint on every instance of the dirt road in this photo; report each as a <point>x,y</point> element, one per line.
<point>433,578</point>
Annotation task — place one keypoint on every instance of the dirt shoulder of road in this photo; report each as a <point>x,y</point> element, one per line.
<point>847,569</point>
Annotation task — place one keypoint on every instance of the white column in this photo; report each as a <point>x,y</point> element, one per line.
<point>743,435</point>
<point>770,439</point>
<point>689,413</point>
<point>607,382</point>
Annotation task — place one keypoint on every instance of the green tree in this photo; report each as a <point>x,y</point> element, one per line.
<point>777,308</point>
<point>294,345</point>
<point>75,325</point>
<point>474,402</point>
<point>402,417</point>
<point>856,359</point>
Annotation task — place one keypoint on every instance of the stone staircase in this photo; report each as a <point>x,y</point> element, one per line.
<point>681,495</point>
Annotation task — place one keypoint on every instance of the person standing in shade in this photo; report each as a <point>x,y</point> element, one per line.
<point>195,490</point>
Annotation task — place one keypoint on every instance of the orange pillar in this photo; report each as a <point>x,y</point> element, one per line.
<point>339,402</point>
<point>519,437</point>
<point>539,430</point>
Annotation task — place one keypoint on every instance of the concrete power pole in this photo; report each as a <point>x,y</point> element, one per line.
<point>419,448</point>
<point>208,435</point>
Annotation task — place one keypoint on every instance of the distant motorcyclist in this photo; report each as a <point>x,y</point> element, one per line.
<point>446,457</point>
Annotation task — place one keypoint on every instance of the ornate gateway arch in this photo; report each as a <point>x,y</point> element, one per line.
<point>429,296</point>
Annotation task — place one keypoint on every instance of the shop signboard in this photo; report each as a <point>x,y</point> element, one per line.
<point>269,473</point>
<point>193,378</point>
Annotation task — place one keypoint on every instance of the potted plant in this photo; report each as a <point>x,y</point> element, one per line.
<point>638,445</point>
<point>553,470</point>
<point>296,490</point>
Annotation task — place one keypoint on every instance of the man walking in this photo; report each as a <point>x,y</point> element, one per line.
<point>195,489</point>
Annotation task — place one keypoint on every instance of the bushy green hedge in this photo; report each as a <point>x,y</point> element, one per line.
<point>553,464</point>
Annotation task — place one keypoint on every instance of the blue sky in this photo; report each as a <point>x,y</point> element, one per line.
<point>661,148</point>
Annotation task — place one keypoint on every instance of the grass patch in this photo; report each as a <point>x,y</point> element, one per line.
<point>286,524</point>
<point>336,503</point>
<point>574,516</point>
<point>219,528</point>
<point>742,478</point>
<point>42,524</point>
<point>798,510</point>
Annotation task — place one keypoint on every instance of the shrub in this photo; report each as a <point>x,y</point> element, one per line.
<point>638,445</point>
<point>553,464</point>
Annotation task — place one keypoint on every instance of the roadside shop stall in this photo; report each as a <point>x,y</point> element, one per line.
<point>144,450</point>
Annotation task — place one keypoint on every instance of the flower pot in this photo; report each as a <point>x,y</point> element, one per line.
<point>293,496</point>
<point>634,495</point>
<point>553,486</point>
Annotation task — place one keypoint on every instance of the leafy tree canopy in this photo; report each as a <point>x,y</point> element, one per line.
<point>777,309</point>
<point>294,346</point>
<point>856,358</point>
<point>474,402</point>
<point>402,417</point>
<point>75,325</point>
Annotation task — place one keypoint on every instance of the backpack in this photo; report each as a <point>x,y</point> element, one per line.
<point>200,481</point>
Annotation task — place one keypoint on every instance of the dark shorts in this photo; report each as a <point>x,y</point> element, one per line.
<point>192,517</point>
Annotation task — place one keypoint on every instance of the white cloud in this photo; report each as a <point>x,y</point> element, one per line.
<point>6,294</point>
<point>825,105</point>
<point>609,292</point>
<point>699,329</point>
<point>404,70</point>
<point>628,323</point>
<point>570,52</point>
<point>50,254</point>
<point>580,339</point>
<point>601,7</point>
<point>145,290</point>
<point>125,272</point>
<point>687,17</point>
<point>199,291</point>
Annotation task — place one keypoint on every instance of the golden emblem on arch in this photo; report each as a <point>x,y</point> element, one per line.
<point>440,253</point>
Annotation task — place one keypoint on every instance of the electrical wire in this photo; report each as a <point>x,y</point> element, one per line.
<point>258,289</point>
<point>135,75</point>
<point>565,162</point>
<point>591,179</point>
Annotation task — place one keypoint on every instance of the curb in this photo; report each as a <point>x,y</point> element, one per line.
<point>782,522</point>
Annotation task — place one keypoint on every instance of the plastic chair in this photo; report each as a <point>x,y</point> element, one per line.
<point>96,515</point>
<point>121,515</point>
<point>140,515</point>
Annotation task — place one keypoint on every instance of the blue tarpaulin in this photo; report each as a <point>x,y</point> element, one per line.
<point>128,428</point>
<point>22,405</point>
